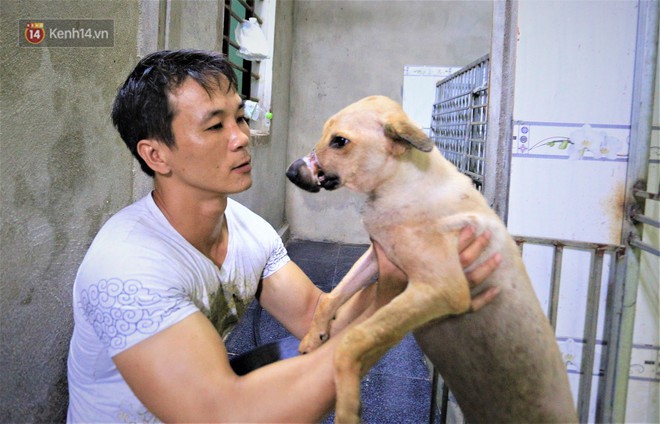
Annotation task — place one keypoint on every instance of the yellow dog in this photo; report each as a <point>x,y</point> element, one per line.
<point>502,363</point>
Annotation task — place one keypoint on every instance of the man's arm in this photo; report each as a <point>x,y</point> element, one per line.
<point>291,298</point>
<point>183,374</point>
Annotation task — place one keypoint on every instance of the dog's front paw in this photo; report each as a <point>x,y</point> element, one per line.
<point>312,340</point>
<point>320,329</point>
<point>348,414</point>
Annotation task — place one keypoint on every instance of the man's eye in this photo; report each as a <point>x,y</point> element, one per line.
<point>215,127</point>
<point>242,119</point>
<point>338,142</point>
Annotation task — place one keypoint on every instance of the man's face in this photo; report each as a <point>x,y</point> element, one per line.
<point>211,135</point>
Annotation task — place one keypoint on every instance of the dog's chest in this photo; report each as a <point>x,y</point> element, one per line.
<point>382,217</point>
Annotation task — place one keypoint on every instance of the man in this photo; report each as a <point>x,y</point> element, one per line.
<point>166,277</point>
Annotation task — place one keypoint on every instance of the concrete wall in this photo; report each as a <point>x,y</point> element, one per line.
<point>64,171</point>
<point>343,51</point>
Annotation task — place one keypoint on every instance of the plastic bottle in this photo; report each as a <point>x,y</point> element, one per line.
<point>259,118</point>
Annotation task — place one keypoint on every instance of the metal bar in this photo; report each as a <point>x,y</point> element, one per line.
<point>231,42</point>
<point>569,243</point>
<point>251,13</point>
<point>613,312</point>
<point>641,118</point>
<point>233,14</point>
<point>434,395</point>
<point>466,135</point>
<point>502,60</point>
<point>636,242</point>
<point>613,308</point>
<point>642,194</point>
<point>557,257</point>
<point>250,8</point>
<point>590,328</point>
<point>464,69</point>
<point>243,70</point>
<point>645,220</point>
<point>445,404</point>
<point>458,96</point>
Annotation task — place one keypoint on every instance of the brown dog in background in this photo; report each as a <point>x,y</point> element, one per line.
<point>502,363</point>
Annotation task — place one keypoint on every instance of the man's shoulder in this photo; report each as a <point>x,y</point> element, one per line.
<point>139,244</point>
<point>134,231</point>
<point>136,219</point>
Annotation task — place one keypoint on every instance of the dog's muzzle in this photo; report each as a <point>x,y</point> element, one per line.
<point>307,174</point>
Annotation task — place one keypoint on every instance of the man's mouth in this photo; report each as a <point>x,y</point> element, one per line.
<point>243,167</point>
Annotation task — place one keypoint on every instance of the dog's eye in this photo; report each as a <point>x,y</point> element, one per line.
<point>338,142</point>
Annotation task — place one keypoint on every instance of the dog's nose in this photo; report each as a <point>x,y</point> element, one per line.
<point>300,174</point>
<point>294,170</point>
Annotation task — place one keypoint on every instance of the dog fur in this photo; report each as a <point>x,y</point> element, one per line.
<point>502,362</point>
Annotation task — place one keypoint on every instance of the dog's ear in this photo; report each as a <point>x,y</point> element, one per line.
<point>401,129</point>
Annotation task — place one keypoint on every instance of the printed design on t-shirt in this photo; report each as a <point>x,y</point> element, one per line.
<point>227,305</point>
<point>221,314</point>
<point>278,258</point>
<point>118,309</point>
<point>131,410</point>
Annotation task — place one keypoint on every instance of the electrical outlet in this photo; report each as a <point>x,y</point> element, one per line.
<point>645,363</point>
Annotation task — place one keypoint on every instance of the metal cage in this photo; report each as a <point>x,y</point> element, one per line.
<point>460,118</point>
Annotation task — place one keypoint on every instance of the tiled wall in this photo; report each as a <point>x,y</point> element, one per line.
<point>573,99</point>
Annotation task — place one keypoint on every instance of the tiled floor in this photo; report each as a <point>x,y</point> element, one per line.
<point>398,389</point>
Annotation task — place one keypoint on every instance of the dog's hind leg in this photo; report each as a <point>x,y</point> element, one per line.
<point>360,275</point>
<point>361,346</point>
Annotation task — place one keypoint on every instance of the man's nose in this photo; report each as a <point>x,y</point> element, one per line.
<point>238,138</point>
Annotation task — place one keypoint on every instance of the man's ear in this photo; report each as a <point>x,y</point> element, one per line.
<point>153,153</point>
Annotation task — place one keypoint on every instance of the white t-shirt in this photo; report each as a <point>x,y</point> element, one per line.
<point>139,277</point>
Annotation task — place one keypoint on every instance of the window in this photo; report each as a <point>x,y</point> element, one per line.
<point>247,72</point>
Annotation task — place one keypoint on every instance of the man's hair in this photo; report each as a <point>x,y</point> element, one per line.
<point>141,109</point>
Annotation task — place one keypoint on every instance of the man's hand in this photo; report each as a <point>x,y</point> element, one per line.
<point>470,249</point>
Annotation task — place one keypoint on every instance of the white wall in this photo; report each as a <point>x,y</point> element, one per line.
<point>419,91</point>
<point>574,66</point>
